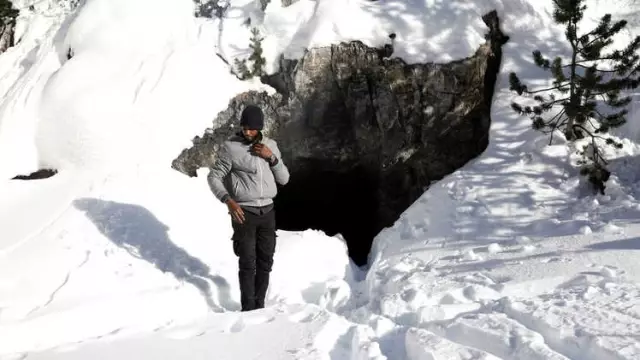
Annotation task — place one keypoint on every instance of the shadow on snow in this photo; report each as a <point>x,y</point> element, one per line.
<point>135,229</point>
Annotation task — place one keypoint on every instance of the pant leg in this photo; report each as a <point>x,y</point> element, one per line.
<point>244,246</point>
<point>265,249</point>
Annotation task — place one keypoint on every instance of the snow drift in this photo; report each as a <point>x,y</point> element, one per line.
<point>108,95</point>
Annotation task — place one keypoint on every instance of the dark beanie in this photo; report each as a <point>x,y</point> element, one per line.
<point>252,117</point>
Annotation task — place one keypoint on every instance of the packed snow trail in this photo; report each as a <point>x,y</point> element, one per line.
<point>295,332</point>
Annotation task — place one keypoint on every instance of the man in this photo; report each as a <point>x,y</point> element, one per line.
<point>244,177</point>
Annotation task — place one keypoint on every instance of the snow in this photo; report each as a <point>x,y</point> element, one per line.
<point>119,256</point>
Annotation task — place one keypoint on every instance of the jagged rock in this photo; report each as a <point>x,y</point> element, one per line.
<point>264,3</point>
<point>7,25</point>
<point>364,135</point>
<point>37,175</point>
<point>210,8</point>
<point>285,3</point>
<point>6,36</point>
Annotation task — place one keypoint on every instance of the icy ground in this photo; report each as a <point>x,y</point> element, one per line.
<point>119,257</point>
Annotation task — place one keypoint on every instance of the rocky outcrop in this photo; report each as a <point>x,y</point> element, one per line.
<point>7,25</point>
<point>365,134</point>
<point>6,36</point>
<point>285,3</point>
<point>37,175</point>
<point>210,8</point>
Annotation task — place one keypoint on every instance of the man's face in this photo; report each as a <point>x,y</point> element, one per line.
<point>249,134</point>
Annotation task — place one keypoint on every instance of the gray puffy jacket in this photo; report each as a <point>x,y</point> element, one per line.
<point>246,178</point>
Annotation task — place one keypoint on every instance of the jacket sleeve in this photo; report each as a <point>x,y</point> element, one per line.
<point>218,172</point>
<point>279,170</point>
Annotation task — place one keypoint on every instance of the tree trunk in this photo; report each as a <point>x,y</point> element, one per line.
<point>573,98</point>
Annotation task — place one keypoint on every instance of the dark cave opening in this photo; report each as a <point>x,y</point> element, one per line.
<point>358,139</point>
<point>333,201</point>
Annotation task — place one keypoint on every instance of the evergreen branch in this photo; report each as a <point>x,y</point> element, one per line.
<point>596,69</point>
<point>558,115</point>
<point>596,149</point>
<point>557,101</point>
<point>602,93</point>
<point>598,59</point>
<point>564,83</point>
<point>592,41</point>
<point>599,114</point>
<point>592,135</point>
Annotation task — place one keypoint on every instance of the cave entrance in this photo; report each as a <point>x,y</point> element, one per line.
<point>333,200</point>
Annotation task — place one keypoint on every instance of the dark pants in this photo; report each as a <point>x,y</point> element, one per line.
<point>254,242</point>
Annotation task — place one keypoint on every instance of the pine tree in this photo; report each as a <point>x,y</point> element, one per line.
<point>256,56</point>
<point>242,69</point>
<point>585,95</point>
<point>257,59</point>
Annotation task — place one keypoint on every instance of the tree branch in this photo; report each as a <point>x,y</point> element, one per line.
<point>564,83</point>
<point>596,149</point>
<point>559,114</point>
<point>599,59</point>
<point>589,67</point>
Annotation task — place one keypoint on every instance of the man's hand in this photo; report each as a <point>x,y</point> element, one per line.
<point>237,214</point>
<point>262,151</point>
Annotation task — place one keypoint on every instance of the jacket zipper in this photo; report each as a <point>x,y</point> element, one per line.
<point>261,180</point>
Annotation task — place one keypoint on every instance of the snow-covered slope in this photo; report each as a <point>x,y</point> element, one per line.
<point>117,241</point>
<point>512,254</point>
<point>120,256</point>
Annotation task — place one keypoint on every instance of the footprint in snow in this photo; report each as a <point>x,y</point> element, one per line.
<point>163,326</point>
<point>183,334</point>
<point>19,356</point>
<point>65,348</point>
<point>304,316</point>
<point>237,326</point>
<point>555,259</point>
<point>245,320</point>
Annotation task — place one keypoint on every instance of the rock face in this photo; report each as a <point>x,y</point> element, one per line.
<point>6,37</point>
<point>7,25</point>
<point>210,8</point>
<point>364,135</point>
<point>286,3</point>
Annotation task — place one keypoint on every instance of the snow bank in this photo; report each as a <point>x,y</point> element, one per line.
<point>517,225</point>
<point>426,30</point>
<point>24,70</point>
<point>121,258</point>
<point>139,74</point>
<point>117,241</point>
<point>311,267</point>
